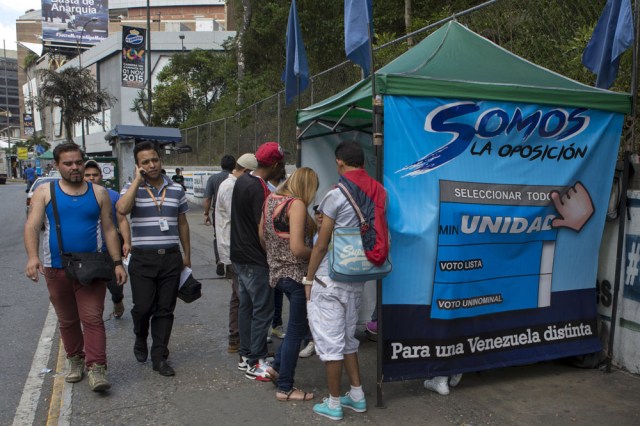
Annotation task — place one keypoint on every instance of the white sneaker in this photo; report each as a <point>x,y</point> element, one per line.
<point>308,350</point>
<point>278,332</point>
<point>438,384</point>
<point>455,379</point>
<point>242,364</point>
<point>258,372</point>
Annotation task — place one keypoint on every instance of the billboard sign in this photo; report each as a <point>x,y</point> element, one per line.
<point>76,22</point>
<point>133,56</point>
<point>496,214</point>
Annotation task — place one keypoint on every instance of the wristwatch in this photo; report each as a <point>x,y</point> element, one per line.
<point>117,262</point>
<point>305,281</point>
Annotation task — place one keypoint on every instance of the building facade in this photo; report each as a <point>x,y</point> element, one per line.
<point>202,22</point>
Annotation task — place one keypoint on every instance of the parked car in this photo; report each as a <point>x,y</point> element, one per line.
<point>35,185</point>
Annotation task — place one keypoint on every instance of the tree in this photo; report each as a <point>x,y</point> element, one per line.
<point>75,92</point>
<point>190,85</point>
<point>141,107</point>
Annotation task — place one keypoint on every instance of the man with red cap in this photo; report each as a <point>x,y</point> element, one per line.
<point>250,260</point>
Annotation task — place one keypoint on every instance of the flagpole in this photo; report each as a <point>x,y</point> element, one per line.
<point>298,141</point>
<point>622,215</point>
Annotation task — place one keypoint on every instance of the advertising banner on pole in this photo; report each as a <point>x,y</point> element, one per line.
<point>133,56</point>
<point>76,22</point>
<point>27,124</point>
<point>496,212</point>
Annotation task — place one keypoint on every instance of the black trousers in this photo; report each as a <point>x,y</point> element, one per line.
<point>154,287</point>
<point>116,290</point>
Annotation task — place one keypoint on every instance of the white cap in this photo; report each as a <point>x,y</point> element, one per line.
<point>248,161</point>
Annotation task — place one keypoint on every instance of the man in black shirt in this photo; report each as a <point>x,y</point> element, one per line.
<point>250,260</point>
<point>178,178</point>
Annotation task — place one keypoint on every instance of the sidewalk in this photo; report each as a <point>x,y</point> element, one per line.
<point>208,388</point>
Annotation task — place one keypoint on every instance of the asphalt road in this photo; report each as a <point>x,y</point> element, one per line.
<point>209,390</point>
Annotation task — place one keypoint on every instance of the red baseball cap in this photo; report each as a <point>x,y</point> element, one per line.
<point>269,153</point>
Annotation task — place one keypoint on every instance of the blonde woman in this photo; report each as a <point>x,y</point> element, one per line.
<point>286,232</point>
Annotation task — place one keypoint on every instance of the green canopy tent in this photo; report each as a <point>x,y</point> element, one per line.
<point>47,155</point>
<point>455,62</point>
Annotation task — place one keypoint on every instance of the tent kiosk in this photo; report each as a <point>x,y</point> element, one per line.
<point>498,174</point>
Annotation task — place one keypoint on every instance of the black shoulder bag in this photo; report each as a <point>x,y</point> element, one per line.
<point>82,267</point>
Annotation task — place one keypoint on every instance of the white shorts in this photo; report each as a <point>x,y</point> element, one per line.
<point>333,315</point>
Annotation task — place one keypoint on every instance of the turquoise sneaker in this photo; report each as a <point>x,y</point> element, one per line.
<point>328,412</point>
<point>358,407</point>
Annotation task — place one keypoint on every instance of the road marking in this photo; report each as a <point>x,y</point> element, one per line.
<point>55,405</point>
<point>26,411</point>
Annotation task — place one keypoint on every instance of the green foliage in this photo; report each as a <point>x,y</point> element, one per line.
<point>190,86</point>
<point>29,60</point>
<point>75,92</point>
<point>202,86</point>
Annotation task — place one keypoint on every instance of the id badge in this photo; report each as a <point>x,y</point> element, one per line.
<point>164,225</point>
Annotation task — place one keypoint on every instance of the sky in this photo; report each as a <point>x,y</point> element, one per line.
<point>10,10</point>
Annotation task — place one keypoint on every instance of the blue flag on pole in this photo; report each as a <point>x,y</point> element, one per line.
<point>358,20</point>
<point>296,71</point>
<point>612,35</point>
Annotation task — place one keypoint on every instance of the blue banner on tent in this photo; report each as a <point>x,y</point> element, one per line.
<point>495,257</point>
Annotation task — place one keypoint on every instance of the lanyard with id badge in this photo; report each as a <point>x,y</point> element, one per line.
<point>162,222</point>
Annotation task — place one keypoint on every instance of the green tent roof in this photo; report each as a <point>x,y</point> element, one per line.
<point>455,62</point>
<point>47,155</point>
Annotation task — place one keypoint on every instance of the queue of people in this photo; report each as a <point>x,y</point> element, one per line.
<point>265,240</point>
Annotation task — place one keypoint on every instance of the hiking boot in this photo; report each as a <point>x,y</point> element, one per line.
<point>324,410</point>
<point>258,372</point>
<point>76,369</point>
<point>233,347</point>
<point>438,384</point>
<point>278,332</point>
<point>118,309</point>
<point>308,350</point>
<point>357,406</point>
<point>98,378</point>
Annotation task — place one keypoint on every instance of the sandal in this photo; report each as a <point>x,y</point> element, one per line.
<point>294,394</point>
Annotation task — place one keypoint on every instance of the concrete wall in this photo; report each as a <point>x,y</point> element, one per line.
<point>626,345</point>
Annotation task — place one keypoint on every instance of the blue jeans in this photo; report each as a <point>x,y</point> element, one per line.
<point>287,355</point>
<point>277,307</point>
<point>256,310</point>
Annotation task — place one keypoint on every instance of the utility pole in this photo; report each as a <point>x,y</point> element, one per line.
<point>6,98</point>
<point>149,61</point>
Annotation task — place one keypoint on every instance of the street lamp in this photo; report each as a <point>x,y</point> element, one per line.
<point>182,41</point>
<point>84,27</point>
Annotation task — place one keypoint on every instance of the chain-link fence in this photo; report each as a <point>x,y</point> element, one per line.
<point>550,33</point>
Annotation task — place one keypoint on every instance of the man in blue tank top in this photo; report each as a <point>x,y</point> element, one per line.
<point>79,307</point>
